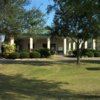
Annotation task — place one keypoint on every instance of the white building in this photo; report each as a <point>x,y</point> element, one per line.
<point>58,44</point>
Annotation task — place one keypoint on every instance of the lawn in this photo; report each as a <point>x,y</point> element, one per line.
<point>50,81</point>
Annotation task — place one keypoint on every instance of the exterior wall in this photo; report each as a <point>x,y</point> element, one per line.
<point>38,43</point>
<point>59,44</point>
<point>23,44</point>
<point>89,44</point>
<point>98,43</point>
<point>56,44</point>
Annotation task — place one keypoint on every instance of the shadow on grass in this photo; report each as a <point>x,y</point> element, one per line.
<point>20,88</point>
<point>41,62</point>
<point>27,62</point>
<point>93,68</point>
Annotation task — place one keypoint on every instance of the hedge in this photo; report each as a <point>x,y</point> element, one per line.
<point>35,54</point>
<point>88,53</point>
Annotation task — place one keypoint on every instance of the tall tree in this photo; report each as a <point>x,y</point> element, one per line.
<point>34,22</point>
<point>16,20</point>
<point>77,19</point>
<point>11,12</point>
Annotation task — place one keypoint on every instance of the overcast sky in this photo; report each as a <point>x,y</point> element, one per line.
<point>42,5</point>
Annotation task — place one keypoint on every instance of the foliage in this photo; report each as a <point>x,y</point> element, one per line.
<point>97,54</point>
<point>11,13</point>
<point>44,52</point>
<point>33,21</point>
<point>87,53</point>
<point>77,19</point>
<point>17,21</point>
<point>52,52</point>
<point>35,54</point>
<point>90,54</point>
<point>24,54</point>
<point>75,53</point>
<point>8,49</point>
<point>14,55</point>
<point>84,52</point>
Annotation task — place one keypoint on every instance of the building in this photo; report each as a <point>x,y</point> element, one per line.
<point>58,44</point>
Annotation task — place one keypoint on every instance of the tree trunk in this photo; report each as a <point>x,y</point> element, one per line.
<point>78,52</point>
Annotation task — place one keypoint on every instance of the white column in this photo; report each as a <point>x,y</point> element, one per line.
<point>86,45</point>
<point>80,45</point>
<point>31,43</point>
<point>69,46</point>
<point>74,46</point>
<point>65,47</point>
<point>48,43</point>
<point>12,40</point>
<point>94,44</point>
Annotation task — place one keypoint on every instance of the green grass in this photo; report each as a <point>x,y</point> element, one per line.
<point>49,81</point>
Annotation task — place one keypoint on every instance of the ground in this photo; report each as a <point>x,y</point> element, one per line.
<point>49,80</point>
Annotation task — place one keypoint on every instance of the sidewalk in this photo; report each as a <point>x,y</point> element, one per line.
<point>55,58</point>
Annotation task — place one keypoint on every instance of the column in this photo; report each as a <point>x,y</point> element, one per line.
<point>85,45</point>
<point>65,47</point>
<point>74,46</point>
<point>48,42</point>
<point>12,40</point>
<point>69,46</point>
<point>31,43</point>
<point>80,45</point>
<point>94,44</point>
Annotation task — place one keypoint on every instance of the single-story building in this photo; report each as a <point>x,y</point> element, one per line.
<point>58,44</point>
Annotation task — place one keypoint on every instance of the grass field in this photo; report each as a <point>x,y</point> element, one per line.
<point>49,81</point>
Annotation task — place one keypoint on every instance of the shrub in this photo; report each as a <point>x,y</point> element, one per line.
<point>71,53</point>
<point>36,49</point>
<point>84,52</point>
<point>14,55</point>
<point>44,52</point>
<point>35,54</point>
<point>24,54</point>
<point>52,52</point>
<point>97,54</point>
<point>0,55</point>
<point>8,49</point>
<point>90,54</point>
<point>75,53</point>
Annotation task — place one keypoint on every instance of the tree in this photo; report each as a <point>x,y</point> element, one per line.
<point>34,22</point>
<point>77,19</point>
<point>15,20</point>
<point>11,12</point>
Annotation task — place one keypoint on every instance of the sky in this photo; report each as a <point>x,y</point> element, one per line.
<point>42,5</point>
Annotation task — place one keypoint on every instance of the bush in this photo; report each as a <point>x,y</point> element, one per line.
<point>44,52</point>
<point>90,54</point>
<point>24,54</point>
<point>14,55</point>
<point>35,54</point>
<point>75,53</point>
<point>52,52</point>
<point>36,49</point>
<point>84,52</point>
<point>8,49</point>
<point>97,54</point>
